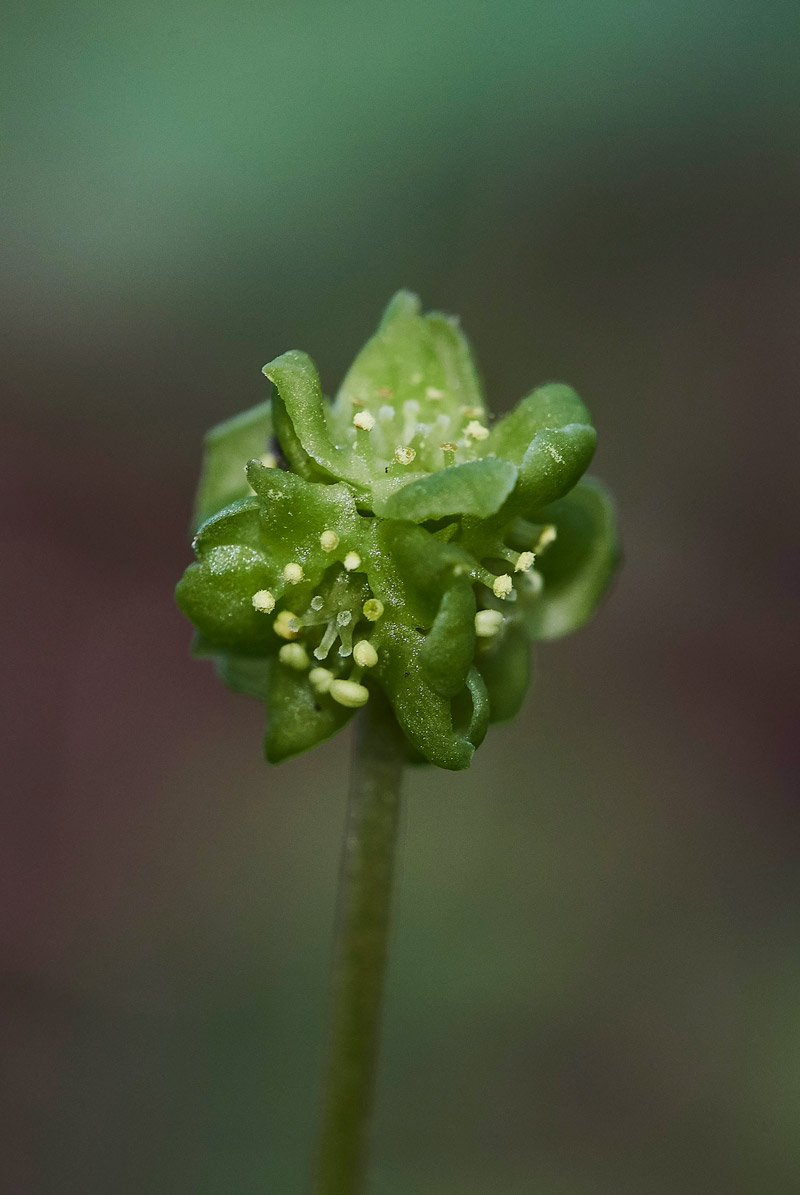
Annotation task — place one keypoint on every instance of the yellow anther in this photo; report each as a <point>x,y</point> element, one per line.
<point>349,693</point>
<point>525,562</point>
<point>488,623</point>
<point>449,450</point>
<point>476,430</point>
<point>364,420</point>
<point>548,536</point>
<point>263,601</point>
<point>329,540</point>
<point>352,561</point>
<point>472,412</point>
<point>365,654</point>
<point>434,392</point>
<point>294,655</point>
<point>372,609</point>
<point>287,625</point>
<point>502,586</point>
<point>404,455</point>
<point>293,573</point>
<point>320,679</point>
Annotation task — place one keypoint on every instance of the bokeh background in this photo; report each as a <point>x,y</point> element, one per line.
<point>595,979</point>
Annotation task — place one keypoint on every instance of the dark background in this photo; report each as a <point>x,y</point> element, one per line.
<point>595,976</point>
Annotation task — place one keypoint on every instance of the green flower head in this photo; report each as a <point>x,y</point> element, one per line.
<point>395,538</point>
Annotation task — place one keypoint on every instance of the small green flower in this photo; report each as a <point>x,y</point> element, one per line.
<point>395,538</point>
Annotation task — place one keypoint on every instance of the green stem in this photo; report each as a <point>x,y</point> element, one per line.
<point>364,903</point>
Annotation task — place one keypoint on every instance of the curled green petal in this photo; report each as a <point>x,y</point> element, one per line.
<point>577,567</point>
<point>226,450</point>
<point>294,452</point>
<point>238,523</point>
<point>423,567</point>
<point>446,655</point>
<point>415,372</point>
<point>552,464</point>
<point>246,675</point>
<point>461,381</point>
<point>504,663</point>
<point>216,594</point>
<point>306,526</point>
<point>476,488</point>
<point>424,714</point>
<point>479,720</point>
<point>298,718</point>
<point>297,381</point>
<point>552,406</point>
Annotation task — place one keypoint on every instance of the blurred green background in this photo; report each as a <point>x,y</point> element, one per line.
<point>595,985</point>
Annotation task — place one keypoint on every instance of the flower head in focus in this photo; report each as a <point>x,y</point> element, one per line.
<point>395,538</point>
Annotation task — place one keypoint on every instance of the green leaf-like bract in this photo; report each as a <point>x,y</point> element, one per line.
<point>222,480</point>
<point>393,539</point>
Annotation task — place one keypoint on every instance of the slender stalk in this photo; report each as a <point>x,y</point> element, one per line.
<point>362,930</point>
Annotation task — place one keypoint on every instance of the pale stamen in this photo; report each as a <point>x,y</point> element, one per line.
<point>263,601</point>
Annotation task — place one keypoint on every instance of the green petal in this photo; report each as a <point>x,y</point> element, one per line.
<point>238,523</point>
<point>424,568</point>
<point>446,654</point>
<point>461,383</point>
<point>249,676</point>
<point>551,466</point>
<point>297,381</point>
<point>578,566</point>
<point>412,358</point>
<point>247,547</point>
<point>504,664</point>
<point>216,594</point>
<point>424,715</point>
<point>476,488</point>
<point>297,457</point>
<point>226,450</point>
<point>297,718</point>
<point>293,516</point>
<point>552,406</point>
<point>201,649</point>
<point>479,695</point>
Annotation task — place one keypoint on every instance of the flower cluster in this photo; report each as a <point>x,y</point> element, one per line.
<point>395,538</point>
